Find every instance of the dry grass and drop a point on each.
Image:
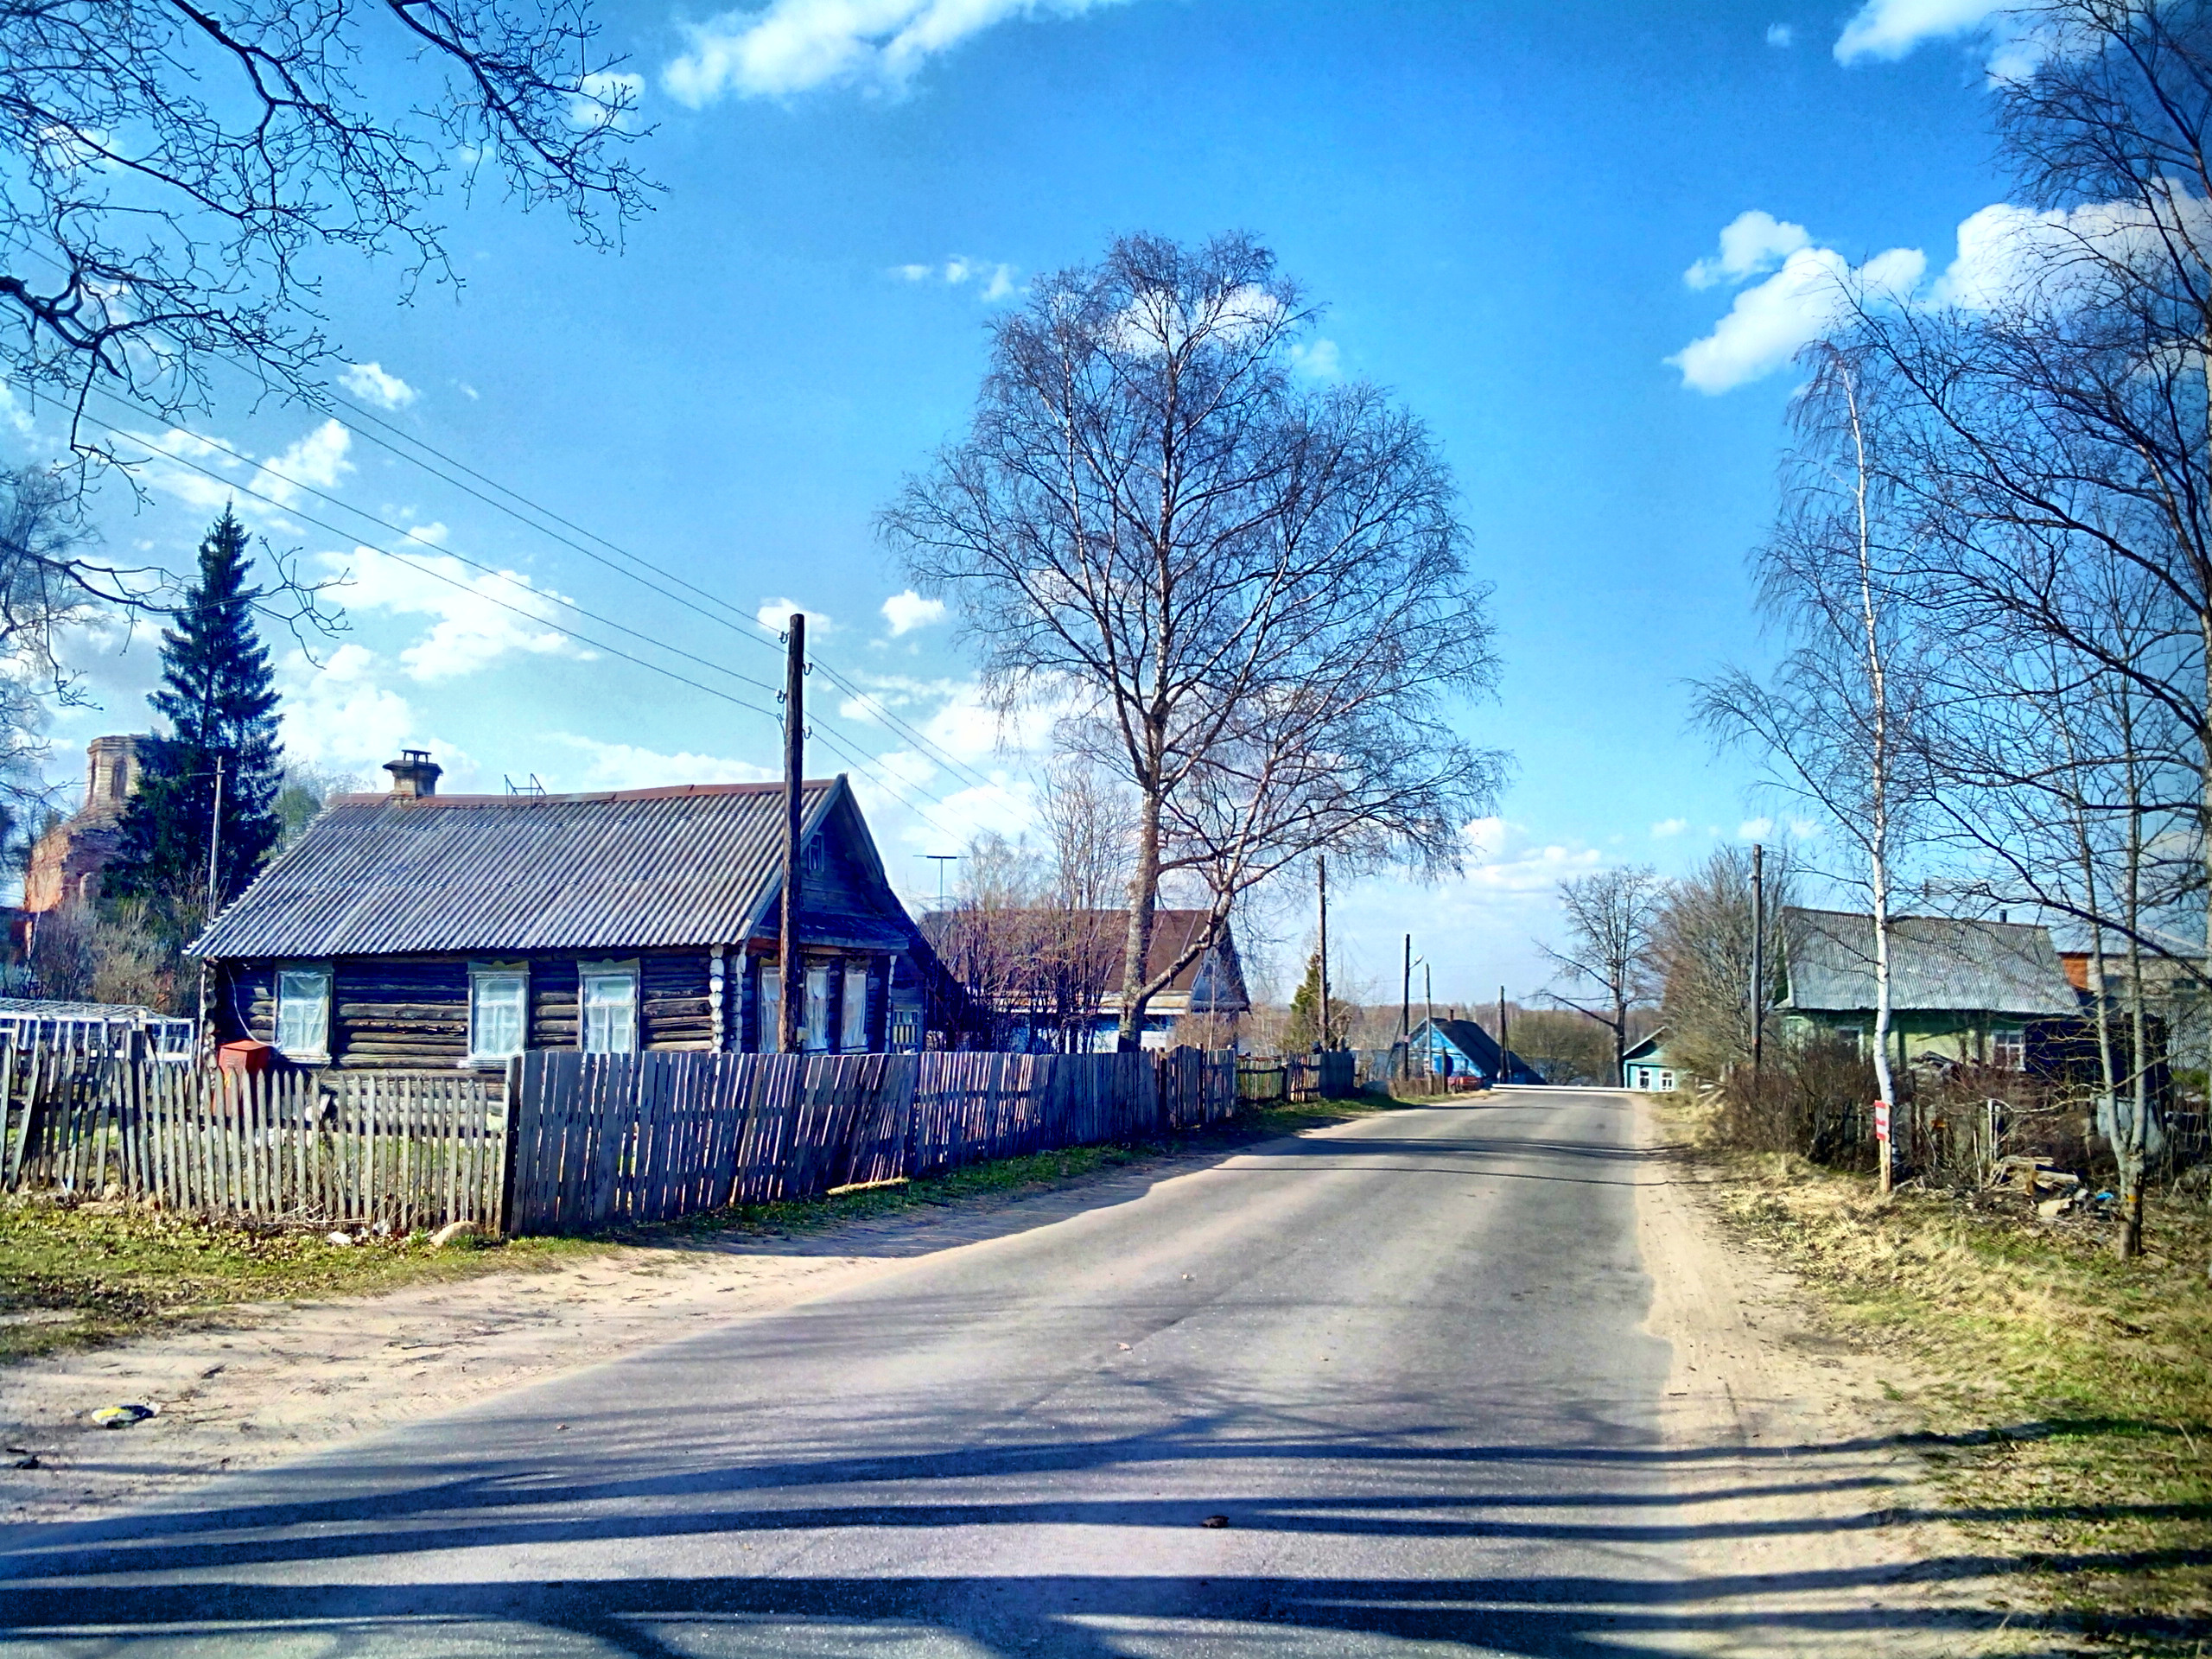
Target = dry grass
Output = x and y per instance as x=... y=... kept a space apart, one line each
x=72 y=1274
x=2069 y=1409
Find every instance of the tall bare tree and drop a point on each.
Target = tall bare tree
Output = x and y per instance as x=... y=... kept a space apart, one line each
x=1702 y=954
x=1248 y=598
x=1610 y=915
x=1835 y=723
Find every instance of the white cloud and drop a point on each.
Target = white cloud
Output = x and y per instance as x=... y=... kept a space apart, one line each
x=161 y=468
x=606 y=98
x=994 y=277
x=908 y=611
x=317 y=461
x=1780 y=35
x=777 y=614
x=369 y=382
x=1667 y=827
x=1751 y=243
x=342 y=717
x=625 y=765
x=1755 y=828
x=473 y=627
x=1500 y=860
x=1771 y=321
x=790 y=46
x=1888 y=28
x=1320 y=360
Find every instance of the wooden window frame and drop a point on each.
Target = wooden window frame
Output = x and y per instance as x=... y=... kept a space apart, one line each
x=483 y=970
x=318 y=971
x=634 y=972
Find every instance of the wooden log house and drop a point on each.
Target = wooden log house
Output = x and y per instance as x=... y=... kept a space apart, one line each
x=413 y=930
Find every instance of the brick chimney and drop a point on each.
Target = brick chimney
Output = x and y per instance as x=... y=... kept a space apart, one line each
x=413 y=774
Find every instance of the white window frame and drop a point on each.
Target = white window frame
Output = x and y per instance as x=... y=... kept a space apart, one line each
x=814 y=1027
x=590 y=973
x=768 y=1001
x=2008 y=1048
x=852 y=1034
x=319 y=1048
x=479 y=976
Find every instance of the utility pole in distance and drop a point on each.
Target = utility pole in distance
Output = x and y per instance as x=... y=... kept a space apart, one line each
x=1504 y=1053
x=1406 y=1014
x=214 y=867
x=789 y=1022
x=1321 y=874
x=1758 y=956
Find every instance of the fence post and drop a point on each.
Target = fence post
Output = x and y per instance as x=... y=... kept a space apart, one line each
x=509 y=1139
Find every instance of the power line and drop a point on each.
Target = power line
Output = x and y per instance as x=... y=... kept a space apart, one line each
x=404 y=534
x=745 y=626
x=439 y=576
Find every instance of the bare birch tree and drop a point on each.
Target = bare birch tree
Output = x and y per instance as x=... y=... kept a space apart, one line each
x=1248 y=599
x=1610 y=916
x=1834 y=724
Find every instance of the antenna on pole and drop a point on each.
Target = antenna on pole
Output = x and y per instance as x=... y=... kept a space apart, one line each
x=940 y=860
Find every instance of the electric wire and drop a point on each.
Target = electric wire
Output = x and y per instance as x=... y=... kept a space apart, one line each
x=439 y=576
x=902 y=790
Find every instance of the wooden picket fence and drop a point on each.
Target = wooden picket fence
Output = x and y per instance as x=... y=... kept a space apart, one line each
x=602 y=1139
x=568 y=1143
x=325 y=1147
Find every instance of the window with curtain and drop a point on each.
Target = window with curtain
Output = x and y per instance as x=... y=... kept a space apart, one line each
x=814 y=1028
x=609 y=1022
x=304 y=1013
x=771 y=980
x=853 y=1036
x=498 y=1013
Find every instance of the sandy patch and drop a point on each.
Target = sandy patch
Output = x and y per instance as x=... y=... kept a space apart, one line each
x=261 y=1383
x=1794 y=1458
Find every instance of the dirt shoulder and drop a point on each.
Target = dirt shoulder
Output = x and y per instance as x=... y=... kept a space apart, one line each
x=1976 y=1446
x=247 y=1383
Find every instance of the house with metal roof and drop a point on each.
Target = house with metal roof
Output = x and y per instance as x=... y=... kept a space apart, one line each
x=1961 y=991
x=1051 y=978
x=1461 y=1048
x=1648 y=1068
x=415 y=929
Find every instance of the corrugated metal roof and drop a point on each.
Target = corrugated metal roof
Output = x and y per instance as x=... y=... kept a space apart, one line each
x=1937 y=963
x=632 y=869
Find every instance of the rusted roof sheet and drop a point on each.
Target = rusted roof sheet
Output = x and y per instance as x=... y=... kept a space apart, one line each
x=376 y=874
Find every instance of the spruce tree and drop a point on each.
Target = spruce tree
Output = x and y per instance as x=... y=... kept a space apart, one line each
x=1301 y=1026
x=219 y=700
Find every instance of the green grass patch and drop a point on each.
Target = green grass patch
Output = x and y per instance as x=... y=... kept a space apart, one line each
x=74 y=1274
x=2071 y=1421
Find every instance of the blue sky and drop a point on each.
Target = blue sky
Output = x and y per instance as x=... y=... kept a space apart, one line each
x=1514 y=216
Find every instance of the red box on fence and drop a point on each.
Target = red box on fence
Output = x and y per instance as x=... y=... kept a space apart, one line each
x=249 y=1055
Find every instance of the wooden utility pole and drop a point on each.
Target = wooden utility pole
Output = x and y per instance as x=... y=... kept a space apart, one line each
x=1504 y=1053
x=1321 y=874
x=1406 y=1014
x=1758 y=958
x=214 y=867
x=790 y=1021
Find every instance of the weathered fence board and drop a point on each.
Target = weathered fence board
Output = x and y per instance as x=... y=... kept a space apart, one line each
x=409 y=1151
x=602 y=1139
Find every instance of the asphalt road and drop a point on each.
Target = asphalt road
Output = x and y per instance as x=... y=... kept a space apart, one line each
x=1403 y=1362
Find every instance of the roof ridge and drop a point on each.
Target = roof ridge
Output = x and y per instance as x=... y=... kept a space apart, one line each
x=658 y=792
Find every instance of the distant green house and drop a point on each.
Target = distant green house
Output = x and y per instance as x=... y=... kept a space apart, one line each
x=1648 y=1068
x=1960 y=991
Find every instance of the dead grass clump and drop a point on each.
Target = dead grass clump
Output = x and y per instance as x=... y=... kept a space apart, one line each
x=2072 y=1419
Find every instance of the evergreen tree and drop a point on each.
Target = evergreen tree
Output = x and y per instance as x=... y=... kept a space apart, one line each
x=1301 y=1025
x=219 y=700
